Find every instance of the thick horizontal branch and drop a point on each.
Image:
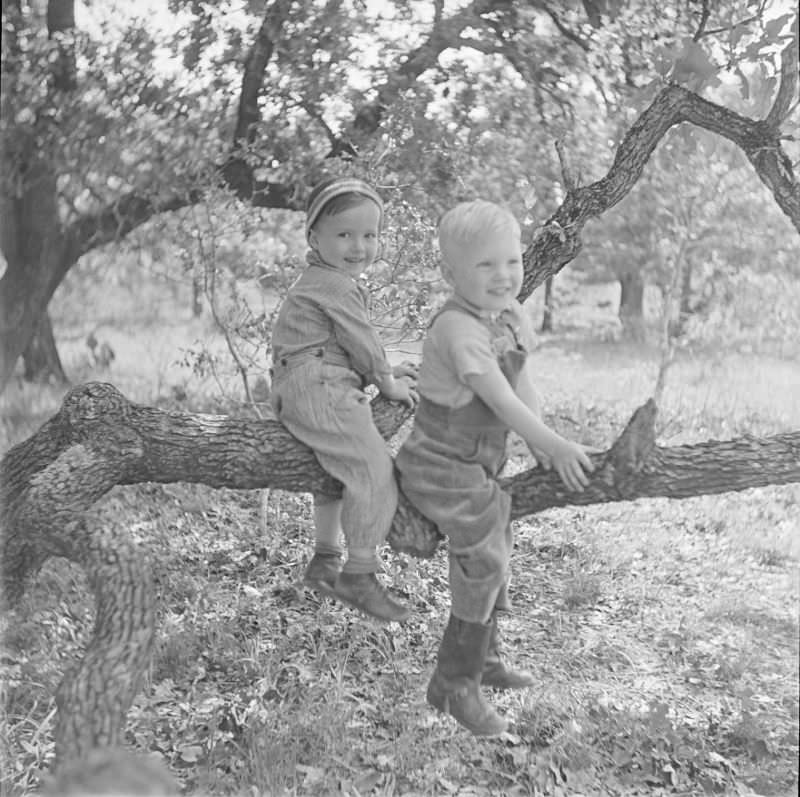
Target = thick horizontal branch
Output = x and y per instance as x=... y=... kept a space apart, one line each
x=708 y=468
x=99 y=439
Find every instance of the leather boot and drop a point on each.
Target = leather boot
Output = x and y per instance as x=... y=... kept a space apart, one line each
x=363 y=591
x=495 y=672
x=455 y=686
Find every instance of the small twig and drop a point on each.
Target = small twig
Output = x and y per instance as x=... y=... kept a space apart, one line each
x=241 y=366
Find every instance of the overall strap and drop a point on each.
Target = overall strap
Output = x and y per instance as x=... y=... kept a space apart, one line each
x=453 y=304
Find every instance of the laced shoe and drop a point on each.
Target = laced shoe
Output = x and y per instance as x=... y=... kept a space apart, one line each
x=363 y=591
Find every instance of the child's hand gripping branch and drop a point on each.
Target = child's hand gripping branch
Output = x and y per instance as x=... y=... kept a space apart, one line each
x=400 y=388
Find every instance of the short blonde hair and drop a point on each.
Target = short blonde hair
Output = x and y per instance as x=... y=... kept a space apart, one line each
x=469 y=222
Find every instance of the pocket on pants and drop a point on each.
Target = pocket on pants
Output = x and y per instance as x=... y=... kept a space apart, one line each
x=343 y=388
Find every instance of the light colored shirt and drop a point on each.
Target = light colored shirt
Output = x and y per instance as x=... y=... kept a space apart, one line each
x=459 y=345
x=326 y=308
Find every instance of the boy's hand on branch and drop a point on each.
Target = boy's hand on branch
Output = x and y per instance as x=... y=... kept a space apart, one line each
x=572 y=462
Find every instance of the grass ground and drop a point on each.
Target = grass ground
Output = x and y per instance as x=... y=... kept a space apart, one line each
x=663 y=635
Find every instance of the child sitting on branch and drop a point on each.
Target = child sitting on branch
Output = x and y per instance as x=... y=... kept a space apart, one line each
x=475 y=383
x=325 y=352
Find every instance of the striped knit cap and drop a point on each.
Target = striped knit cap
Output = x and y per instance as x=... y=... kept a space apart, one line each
x=327 y=190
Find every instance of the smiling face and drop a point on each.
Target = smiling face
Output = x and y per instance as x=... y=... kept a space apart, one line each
x=488 y=272
x=348 y=240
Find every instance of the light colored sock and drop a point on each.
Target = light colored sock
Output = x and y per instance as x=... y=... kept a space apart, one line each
x=361 y=560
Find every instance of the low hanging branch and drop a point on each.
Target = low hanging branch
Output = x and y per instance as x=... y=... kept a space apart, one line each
x=100 y=439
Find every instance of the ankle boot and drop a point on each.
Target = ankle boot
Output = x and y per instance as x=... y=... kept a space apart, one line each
x=363 y=591
x=455 y=686
x=495 y=672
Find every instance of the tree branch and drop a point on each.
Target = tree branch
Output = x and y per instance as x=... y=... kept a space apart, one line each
x=558 y=241
x=99 y=439
x=132 y=210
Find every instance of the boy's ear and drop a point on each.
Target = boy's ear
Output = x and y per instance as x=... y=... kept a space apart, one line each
x=312 y=239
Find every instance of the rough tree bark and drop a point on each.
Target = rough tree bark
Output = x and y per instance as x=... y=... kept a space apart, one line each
x=99 y=439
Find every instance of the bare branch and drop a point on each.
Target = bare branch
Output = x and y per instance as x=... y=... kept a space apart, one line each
x=558 y=240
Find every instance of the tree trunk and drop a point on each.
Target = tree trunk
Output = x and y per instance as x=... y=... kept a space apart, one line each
x=38 y=257
x=547 y=318
x=35 y=247
x=631 y=305
x=41 y=360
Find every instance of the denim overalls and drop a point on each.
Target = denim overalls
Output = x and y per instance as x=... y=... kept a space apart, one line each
x=448 y=469
x=318 y=395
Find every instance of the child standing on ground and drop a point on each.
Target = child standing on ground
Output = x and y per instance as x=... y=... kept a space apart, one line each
x=474 y=385
x=324 y=352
